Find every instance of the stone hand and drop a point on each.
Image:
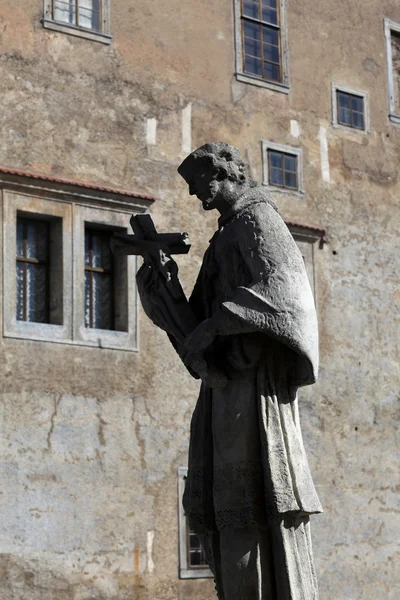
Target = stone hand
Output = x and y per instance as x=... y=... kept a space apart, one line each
x=197 y=341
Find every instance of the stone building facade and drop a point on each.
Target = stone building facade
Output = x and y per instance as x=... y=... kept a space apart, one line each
x=103 y=96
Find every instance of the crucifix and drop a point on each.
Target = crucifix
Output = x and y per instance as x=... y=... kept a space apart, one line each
x=165 y=302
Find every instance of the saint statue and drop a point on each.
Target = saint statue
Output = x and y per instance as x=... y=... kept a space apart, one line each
x=252 y=338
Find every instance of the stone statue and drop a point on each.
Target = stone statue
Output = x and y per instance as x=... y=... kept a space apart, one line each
x=251 y=336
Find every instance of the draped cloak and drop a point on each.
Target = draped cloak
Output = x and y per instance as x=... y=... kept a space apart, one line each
x=247 y=463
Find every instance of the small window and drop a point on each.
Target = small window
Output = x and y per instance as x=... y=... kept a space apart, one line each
x=308 y=239
x=350 y=108
x=32 y=270
x=193 y=563
x=392 y=35
x=99 y=280
x=282 y=167
x=83 y=18
x=261 y=42
x=39 y=274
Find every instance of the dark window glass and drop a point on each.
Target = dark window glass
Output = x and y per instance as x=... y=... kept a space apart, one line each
x=261 y=20
x=196 y=554
x=282 y=169
x=350 y=110
x=99 y=288
x=87 y=16
x=32 y=270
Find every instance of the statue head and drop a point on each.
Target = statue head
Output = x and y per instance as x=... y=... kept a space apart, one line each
x=216 y=174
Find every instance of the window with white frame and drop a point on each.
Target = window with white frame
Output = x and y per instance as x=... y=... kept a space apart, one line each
x=61 y=282
x=261 y=43
x=192 y=559
x=84 y=18
x=282 y=167
x=392 y=35
x=350 y=108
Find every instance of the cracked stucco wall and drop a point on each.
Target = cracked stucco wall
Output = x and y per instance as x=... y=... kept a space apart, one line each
x=91 y=439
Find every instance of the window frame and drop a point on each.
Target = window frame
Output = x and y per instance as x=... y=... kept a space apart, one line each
x=285 y=149
x=107 y=338
x=14 y=203
x=335 y=88
x=282 y=86
x=103 y=36
x=61 y=201
x=186 y=571
x=390 y=26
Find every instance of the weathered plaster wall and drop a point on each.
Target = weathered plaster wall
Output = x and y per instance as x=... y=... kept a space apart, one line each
x=92 y=438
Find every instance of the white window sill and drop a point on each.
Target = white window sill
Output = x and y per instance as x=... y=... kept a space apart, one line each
x=276 y=87
x=41 y=332
x=88 y=34
x=351 y=129
x=281 y=190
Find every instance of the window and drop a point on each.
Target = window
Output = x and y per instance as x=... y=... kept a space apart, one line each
x=392 y=35
x=282 y=167
x=61 y=282
x=82 y=13
x=32 y=270
x=350 y=108
x=193 y=563
x=83 y=18
x=306 y=238
x=261 y=44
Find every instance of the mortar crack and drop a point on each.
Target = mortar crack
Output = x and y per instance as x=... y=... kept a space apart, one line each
x=53 y=417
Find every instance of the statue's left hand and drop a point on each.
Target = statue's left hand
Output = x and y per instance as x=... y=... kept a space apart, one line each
x=197 y=341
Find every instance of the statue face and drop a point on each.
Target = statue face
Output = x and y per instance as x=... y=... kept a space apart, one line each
x=203 y=184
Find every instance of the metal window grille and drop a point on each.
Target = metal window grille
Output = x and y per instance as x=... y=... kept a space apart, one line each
x=350 y=110
x=261 y=39
x=81 y=13
x=196 y=558
x=99 y=280
x=283 y=169
x=32 y=270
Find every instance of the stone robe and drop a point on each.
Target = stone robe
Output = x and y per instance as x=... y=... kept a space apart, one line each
x=247 y=463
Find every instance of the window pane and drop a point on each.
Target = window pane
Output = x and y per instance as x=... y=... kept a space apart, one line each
x=271 y=72
x=195 y=559
x=271 y=53
x=96 y=250
x=20 y=291
x=270 y=3
x=275 y=159
x=270 y=36
x=357 y=103
x=36 y=293
x=291 y=180
x=102 y=301
x=276 y=176
x=270 y=15
x=251 y=30
x=343 y=100
x=194 y=542
x=252 y=47
x=344 y=116
x=20 y=238
x=290 y=163
x=253 y=65
x=64 y=10
x=251 y=9
x=358 y=120
x=89 y=14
